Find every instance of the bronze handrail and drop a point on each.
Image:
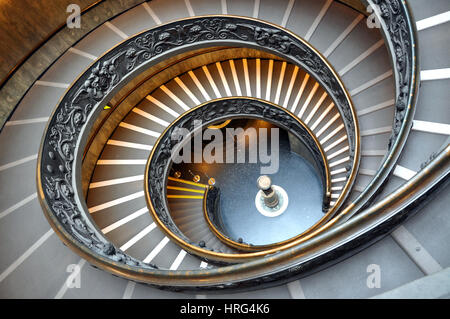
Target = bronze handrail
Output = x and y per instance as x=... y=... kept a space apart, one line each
x=329 y=244
x=301 y=259
x=223 y=109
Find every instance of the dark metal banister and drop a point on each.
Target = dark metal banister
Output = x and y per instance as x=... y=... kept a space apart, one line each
x=370 y=225
x=60 y=155
x=29 y=56
x=209 y=113
x=361 y=231
x=333 y=244
x=400 y=35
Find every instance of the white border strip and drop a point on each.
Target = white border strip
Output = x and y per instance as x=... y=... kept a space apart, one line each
x=25 y=255
x=295 y=290
x=189 y=8
x=138 y=237
x=130 y=145
x=156 y=250
x=343 y=35
x=18 y=205
x=431 y=127
x=318 y=19
x=177 y=262
x=129 y=290
x=82 y=53
x=151 y=13
x=122 y=162
x=27 y=121
x=436 y=74
x=116 y=30
x=53 y=84
x=115 y=202
x=404 y=173
x=18 y=162
x=287 y=13
x=116 y=181
x=125 y=220
x=433 y=21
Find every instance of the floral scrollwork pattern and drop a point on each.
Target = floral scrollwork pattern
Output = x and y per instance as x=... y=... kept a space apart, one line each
x=115 y=68
x=207 y=114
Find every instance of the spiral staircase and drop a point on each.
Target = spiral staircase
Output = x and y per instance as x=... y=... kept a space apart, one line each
x=81 y=151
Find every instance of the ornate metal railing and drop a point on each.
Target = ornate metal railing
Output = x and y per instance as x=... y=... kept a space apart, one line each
x=59 y=167
x=209 y=113
x=59 y=159
x=23 y=75
x=399 y=32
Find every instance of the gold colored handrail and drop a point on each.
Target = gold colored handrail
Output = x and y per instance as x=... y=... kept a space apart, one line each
x=251 y=251
x=437 y=170
x=288 y=261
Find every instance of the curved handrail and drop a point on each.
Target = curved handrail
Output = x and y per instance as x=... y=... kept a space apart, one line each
x=369 y=226
x=376 y=222
x=160 y=160
x=14 y=69
x=400 y=34
x=35 y=50
x=59 y=162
